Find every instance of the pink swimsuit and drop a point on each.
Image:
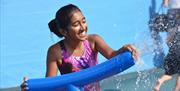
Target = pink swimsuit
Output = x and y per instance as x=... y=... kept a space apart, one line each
x=72 y=63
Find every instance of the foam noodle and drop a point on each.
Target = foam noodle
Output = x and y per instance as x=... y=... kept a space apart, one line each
x=78 y=79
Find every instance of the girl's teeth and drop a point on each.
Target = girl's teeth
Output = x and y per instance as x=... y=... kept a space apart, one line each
x=83 y=33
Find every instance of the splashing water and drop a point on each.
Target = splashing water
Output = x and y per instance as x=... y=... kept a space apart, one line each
x=144 y=43
x=146 y=47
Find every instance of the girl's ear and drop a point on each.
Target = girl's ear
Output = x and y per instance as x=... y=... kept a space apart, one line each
x=63 y=32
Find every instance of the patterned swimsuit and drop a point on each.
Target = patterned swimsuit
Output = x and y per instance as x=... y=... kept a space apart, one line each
x=172 y=60
x=72 y=63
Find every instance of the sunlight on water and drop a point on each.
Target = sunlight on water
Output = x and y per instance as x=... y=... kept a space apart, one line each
x=151 y=48
x=146 y=47
x=118 y=85
x=141 y=77
x=144 y=43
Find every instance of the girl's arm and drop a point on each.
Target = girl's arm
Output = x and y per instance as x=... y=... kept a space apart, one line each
x=53 y=56
x=108 y=52
x=51 y=70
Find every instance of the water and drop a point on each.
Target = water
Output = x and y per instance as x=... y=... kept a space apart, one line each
x=137 y=81
x=141 y=80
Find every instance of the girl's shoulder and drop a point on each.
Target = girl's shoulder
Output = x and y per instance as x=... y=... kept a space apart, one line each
x=93 y=37
x=55 y=50
x=54 y=47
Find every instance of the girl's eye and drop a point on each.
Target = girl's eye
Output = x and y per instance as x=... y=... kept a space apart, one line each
x=75 y=24
x=84 y=20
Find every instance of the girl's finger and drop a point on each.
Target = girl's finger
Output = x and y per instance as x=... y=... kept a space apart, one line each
x=24 y=85
x=25 y=79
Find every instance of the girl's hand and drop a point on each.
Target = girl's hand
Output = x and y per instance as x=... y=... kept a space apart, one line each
x=133 y=50
x=24 y=84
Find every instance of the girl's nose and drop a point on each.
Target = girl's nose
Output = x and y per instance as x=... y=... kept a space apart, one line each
x=82 y=26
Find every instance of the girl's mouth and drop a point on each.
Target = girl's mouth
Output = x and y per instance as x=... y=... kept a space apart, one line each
x=83 y=33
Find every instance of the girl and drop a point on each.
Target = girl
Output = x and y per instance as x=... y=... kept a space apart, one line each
x=77 y=50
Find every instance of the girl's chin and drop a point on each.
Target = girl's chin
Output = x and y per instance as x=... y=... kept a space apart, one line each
x=83 y=37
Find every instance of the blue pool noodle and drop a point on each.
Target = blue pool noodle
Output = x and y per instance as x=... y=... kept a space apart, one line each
x=75 y=81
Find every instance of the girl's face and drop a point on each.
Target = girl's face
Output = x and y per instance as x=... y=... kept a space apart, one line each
x=77 y=29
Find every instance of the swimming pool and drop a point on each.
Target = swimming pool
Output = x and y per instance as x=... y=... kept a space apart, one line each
x=25 y=36
x=135 y=81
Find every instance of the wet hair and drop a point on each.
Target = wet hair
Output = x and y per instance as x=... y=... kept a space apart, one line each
x=62 y=19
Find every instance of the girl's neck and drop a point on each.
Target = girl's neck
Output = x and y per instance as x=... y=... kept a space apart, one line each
x=73 y=44
x=75 y=48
